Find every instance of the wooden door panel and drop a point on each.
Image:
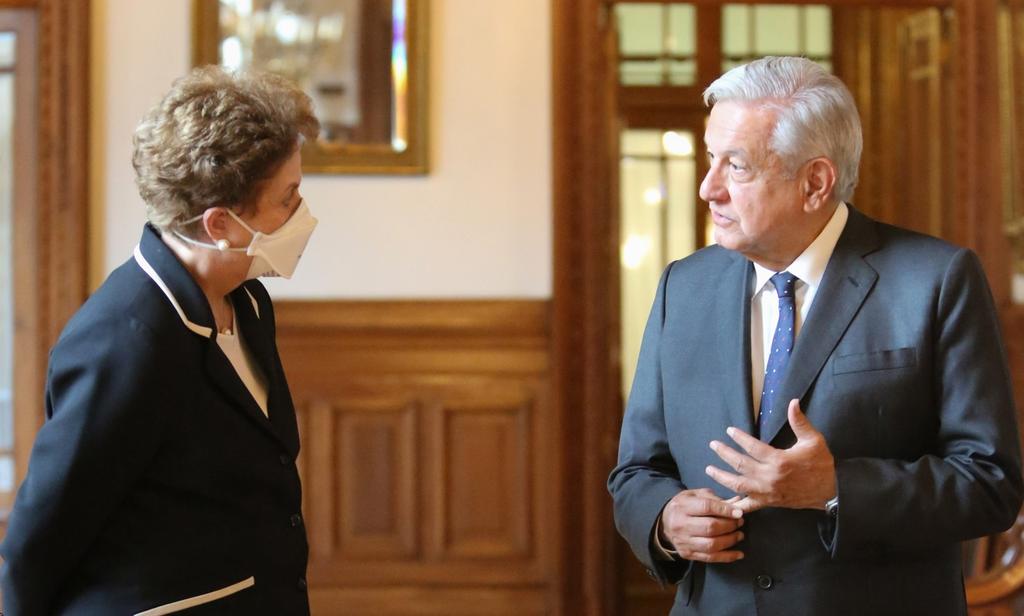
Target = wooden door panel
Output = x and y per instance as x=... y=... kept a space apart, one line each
x=483 y=481
x=428 y=448
x=360 y=501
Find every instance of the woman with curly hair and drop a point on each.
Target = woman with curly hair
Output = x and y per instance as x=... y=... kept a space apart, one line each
x=164 y=478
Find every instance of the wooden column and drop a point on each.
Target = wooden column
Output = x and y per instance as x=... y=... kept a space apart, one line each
x=585 y=296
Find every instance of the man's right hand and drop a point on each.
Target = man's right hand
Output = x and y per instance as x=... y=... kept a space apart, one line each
x=701 y=526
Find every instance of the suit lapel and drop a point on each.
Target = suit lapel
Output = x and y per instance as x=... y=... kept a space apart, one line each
x=191 y=304
x=226 y=379
x=258 y=340
x=251 y=330
x=733 y=335
x=847 y=281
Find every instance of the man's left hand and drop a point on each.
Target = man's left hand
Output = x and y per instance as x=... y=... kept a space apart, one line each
x=801 y=477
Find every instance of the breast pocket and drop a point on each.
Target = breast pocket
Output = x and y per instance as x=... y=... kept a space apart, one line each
x=198 y=600
x=889 y=359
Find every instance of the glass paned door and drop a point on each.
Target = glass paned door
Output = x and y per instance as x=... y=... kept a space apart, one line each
x=658 y=187
x=8 y=58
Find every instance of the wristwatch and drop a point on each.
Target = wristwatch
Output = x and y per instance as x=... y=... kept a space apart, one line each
x=832 y=507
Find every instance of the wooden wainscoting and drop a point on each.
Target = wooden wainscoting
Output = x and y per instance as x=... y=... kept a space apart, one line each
x=428 y=455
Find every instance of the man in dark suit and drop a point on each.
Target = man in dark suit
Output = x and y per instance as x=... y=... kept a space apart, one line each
x=822 y=410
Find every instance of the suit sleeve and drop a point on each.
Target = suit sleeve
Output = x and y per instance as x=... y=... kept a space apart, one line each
x=106 y=394
x=646 y=476
x=970 y=486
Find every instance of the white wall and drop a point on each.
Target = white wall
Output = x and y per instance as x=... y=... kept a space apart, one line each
x=479 y=225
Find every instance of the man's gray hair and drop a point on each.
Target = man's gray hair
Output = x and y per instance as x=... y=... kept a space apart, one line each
x=816 y=114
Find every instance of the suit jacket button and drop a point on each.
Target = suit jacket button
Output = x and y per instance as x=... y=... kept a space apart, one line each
x=296 y=519
x=651 y=574
x=764 y=582
x=302 y=583
x=284 y=459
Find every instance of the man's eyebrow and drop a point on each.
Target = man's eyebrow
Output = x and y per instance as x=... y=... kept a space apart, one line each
x=731 y=152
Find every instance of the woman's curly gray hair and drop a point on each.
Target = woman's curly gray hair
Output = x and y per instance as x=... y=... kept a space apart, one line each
x=213 y=138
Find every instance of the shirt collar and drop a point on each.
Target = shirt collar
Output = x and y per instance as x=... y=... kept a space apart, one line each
x=809 y=267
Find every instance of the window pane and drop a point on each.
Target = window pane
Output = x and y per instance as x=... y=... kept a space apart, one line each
x=640 y=29
x=736 y=30
x=819 y=31
x=681 y=219
x=6 y=282
x=7 y=49
x=657 y=223
x=682 y=73
x=640 y=253
x=682 y=29
x=753 y=31
x=777 y=30
x=641 y=73
x=728 y=65
x=641 y=143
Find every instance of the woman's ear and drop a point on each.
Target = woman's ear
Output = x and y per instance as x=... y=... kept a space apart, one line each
x=215 y=225
x=819 y=181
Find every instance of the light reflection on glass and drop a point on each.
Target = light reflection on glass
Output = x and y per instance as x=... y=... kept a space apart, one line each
x=653 y=196
x=7 y=92
x=677 y=144
x=7 y=49
x=231 y=53
x=399 y=77
x=634 y=250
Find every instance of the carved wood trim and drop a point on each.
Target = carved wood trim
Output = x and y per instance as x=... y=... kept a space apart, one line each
x=472 y=318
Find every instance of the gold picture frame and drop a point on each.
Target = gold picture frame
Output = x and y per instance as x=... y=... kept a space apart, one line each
x=364 y=63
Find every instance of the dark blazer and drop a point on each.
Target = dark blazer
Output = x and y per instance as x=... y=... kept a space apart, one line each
x=156 y=477
x=899 y=365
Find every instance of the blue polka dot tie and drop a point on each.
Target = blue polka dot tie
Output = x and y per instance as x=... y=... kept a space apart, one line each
x=782 y=344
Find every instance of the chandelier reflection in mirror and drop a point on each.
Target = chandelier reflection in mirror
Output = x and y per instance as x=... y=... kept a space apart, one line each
x=361 y=61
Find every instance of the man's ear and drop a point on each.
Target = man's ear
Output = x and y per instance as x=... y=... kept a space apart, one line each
x=819 y=181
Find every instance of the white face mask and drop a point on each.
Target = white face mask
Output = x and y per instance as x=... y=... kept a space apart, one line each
x=273 y=254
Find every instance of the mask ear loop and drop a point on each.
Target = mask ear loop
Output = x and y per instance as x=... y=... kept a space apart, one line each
x=223 y=245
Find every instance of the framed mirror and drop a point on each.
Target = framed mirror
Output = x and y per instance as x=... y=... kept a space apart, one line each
x=363 y=62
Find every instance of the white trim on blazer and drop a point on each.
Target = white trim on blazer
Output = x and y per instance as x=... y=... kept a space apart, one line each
x=202 y=330
x=184 y=604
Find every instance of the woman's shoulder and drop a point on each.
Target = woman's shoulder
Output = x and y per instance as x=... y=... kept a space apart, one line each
x=129 y=308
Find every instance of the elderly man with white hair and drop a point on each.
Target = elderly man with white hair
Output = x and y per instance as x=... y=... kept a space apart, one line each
x=822 y=409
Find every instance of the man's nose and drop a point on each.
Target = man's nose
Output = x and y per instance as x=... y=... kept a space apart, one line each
x=712 y=188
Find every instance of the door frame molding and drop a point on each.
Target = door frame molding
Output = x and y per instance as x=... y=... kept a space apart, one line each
x=51 y=265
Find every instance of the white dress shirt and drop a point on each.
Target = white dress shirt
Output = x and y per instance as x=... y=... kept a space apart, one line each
x=237 y=352
x=809 y=268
